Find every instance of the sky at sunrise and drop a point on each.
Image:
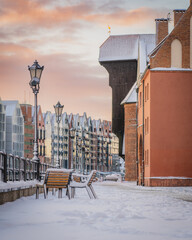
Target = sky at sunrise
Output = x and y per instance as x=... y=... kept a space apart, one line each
x=65 y=36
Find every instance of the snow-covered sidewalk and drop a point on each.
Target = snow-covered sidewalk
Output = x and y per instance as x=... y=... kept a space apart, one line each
x=122 y=211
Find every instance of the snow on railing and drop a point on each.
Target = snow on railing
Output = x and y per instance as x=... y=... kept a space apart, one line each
x=15 y=168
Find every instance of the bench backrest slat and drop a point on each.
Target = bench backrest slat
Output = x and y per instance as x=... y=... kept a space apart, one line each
x=93 y=175
x=57 y=179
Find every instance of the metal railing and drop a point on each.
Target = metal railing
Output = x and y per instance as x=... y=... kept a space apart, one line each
x=14 y=168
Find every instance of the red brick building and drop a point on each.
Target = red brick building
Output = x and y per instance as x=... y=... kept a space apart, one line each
x=164 y=107
x=130 y=134
x=41 y=134
x=28 y=130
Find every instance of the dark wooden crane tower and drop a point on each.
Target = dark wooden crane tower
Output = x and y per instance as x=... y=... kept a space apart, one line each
x=119 y=55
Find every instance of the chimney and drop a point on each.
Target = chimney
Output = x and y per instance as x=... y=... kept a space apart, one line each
x=161 y=29
x=178 y=13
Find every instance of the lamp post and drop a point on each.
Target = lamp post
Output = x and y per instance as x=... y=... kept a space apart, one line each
x=79 y=144
x=35 y=73
x=72 y=136
x=58 y=111
x=83 y=155
x=108 y=154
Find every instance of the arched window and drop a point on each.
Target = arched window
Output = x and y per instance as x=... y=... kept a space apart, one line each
x=176 y=54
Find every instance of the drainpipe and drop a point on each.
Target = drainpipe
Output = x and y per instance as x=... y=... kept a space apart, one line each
x=137 y=160
x=143 y=172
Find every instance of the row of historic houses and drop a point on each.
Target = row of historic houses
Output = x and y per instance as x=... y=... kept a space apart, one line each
x=92 y=145
x=151 y=80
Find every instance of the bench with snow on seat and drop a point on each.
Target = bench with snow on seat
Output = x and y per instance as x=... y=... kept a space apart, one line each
x=55 y=179
x=112 y=177
x=84 y=181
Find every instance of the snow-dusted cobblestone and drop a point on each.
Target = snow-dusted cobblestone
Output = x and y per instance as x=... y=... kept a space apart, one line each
x=122 y=211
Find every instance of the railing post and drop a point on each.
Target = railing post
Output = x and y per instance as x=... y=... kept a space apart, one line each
x=13 y=161
x=25 y=172
x=5 y=168
x=19 y=169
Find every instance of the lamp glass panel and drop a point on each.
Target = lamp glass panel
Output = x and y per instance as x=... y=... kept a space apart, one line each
x=60 y=110
x=57 y=111
x=32 y=71
x=38 y=73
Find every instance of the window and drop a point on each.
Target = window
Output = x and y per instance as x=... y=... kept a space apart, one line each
x=176 y=54
x=140 y=99
x=146 y=125
x=146 y=157
x=40 y=151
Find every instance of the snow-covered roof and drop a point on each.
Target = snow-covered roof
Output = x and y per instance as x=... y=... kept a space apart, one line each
x=125 y=47
x=172 y=69
x=131 y=96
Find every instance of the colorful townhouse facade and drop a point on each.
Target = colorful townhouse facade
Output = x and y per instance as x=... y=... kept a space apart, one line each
x=41 y=134
x=14 y=128
x=2 y=126
x=48 y=136
x=90 y=148
x=28 y=130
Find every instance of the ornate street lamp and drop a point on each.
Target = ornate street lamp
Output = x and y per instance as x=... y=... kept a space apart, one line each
x=58 y=112
x=35 y=72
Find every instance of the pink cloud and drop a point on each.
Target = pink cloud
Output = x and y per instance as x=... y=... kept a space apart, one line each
x=78 y=86
x=26 y=11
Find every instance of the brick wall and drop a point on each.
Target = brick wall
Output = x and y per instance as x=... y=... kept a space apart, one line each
x=161 y=29
x=130 y=141
x=181 y=32
x=28 y=130
x=177 y=15
x=168 y=182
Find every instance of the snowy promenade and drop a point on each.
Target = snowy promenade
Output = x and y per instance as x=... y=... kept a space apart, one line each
x=123 y=211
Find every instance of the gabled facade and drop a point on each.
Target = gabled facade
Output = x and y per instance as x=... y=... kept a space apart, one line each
x=48 y=137
x=28 y=130
x=2 y=127
x=14 y=129
x=65 y=138
x=41 y=133
x=164 y=109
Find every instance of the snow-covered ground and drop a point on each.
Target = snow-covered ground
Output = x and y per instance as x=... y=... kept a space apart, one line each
x=122 y=211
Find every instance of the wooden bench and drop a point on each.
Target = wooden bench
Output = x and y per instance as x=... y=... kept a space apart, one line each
x=55 y=179
x=87 y=183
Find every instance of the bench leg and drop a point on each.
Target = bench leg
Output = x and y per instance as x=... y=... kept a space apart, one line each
x=53 y=191
x=87 y=188
x=37 y=192
x=60 y=193
x=93 y=192
x=68 y=193
x=45 y=191
x=72 y=192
